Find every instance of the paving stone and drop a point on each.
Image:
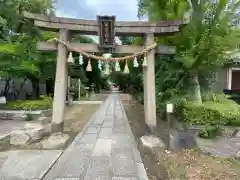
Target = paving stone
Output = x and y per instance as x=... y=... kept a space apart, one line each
x=66 y=179
x=142 y=175
x=119 y=116
x=3 y=157
x=72 y=164
x=124 y=167
x=55 y=141
x=98 y=121
x=109 y=117
x=121 y=129
x=122 y=153
x=124 y=178
x=108 y=123
x=88 y=139
x=118 y=113
x=105 y=133
x=99 y=168
x=122 y=141
x=21 y=165
x=119 y=121
x=93 y=130
x=103 y=147
x=137 y=155
x=106 y=151
x=97 y=178
x=78 y=145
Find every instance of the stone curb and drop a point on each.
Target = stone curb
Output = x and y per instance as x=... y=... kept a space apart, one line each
x=35 y=112
x=81 y=134
x=136 y=154
x=78 y=136
x=88 y=102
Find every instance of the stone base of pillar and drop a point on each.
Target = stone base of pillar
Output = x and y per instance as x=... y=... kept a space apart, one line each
x=56 y=127
x=55 y=141
x=151 y=130
x=152 y=142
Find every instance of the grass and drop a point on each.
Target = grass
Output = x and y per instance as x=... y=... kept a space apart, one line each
x=84 y=98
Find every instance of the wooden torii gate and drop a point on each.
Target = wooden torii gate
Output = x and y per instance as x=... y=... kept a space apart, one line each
x=98 y=27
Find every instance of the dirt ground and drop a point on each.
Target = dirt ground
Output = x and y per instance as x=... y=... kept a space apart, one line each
x=185 y=165
x=76 y=116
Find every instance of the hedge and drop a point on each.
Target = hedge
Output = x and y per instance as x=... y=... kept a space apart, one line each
x=212 y=113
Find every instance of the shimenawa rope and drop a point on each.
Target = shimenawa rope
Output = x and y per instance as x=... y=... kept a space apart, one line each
x=69 y=46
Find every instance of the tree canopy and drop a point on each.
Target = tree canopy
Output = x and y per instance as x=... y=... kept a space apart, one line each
x=18 y=37
x=202 y=45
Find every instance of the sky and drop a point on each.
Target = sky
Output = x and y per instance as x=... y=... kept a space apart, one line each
x=89 y=9
x=124 y=10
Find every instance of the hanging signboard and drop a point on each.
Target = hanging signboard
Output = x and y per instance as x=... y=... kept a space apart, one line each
x=106 y=32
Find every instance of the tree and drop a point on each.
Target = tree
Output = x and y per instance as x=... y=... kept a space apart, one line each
x=203 y=42
x=18 y=38
x=19 y=56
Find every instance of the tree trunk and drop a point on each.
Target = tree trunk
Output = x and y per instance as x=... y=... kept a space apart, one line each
x=20 y=88
x=195 y=90
x=35 y=89
x=50 y=87
x=208 y=81
x=7 y=87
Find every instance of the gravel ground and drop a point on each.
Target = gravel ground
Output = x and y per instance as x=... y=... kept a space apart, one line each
x=184 y=165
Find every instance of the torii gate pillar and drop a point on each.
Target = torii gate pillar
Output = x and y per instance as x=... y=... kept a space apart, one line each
x=60 y=88
x=149 y=85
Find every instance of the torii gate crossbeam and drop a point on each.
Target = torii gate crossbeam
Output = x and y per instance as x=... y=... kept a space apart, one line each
x=65 y=26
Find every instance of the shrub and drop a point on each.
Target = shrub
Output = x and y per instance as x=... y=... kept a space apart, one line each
x=216 y=97
x=43 y=103
x=209 y=131
x=212 y=113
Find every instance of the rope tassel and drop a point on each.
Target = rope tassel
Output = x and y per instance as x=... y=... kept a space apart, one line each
x=99 y=65
x=126 y=69
x=89 y=66
x=70 y=58
x=80 y=59
x=117 y=66
x=107 y=71
x=144 y=64
x=135 y=62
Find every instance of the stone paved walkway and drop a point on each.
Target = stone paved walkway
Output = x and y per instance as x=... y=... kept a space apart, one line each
x=222 y=147
x=104 y=150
